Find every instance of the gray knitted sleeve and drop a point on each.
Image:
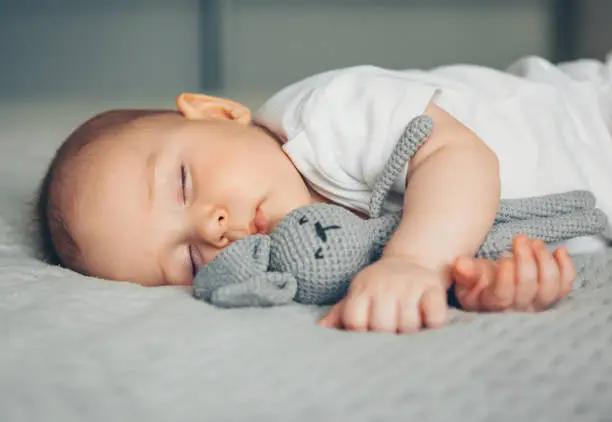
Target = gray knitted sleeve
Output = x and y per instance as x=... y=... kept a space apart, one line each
x=315 y=251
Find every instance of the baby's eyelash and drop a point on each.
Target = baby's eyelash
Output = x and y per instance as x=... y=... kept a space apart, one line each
x=183 y=181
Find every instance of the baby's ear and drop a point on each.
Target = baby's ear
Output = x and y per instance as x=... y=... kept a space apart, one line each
x=206 y=107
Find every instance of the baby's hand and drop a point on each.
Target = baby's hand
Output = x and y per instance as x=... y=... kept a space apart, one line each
x=391 y=295
x=531 y=279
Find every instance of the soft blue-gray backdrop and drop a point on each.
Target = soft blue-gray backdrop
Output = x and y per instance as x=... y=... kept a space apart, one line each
x=146 y=51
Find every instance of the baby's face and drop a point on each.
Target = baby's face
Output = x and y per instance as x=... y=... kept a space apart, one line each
x=162 y=198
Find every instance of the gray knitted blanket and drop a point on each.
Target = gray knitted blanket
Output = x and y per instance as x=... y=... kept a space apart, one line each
x=315 y=251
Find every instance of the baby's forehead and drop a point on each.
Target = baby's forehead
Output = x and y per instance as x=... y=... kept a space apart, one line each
x=124 y=149
x=98 y=173
x=134 y=139
x=108 y=201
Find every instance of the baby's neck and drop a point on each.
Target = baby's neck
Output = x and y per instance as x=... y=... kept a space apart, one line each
x=317 y=198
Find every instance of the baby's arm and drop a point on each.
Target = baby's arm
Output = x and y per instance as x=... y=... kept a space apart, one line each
x=451 y=200
x=530 y=279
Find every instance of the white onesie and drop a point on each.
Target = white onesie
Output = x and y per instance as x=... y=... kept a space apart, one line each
x=550 y=126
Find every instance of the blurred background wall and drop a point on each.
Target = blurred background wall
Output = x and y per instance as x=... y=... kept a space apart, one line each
x=146 y=51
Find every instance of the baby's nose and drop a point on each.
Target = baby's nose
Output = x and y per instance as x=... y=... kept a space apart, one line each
x=212 y=227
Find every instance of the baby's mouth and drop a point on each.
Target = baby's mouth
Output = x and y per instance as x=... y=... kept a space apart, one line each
x=259 y=225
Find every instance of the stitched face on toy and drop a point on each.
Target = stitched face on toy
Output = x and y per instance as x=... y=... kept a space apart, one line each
x=310 y=257
x=323 y=243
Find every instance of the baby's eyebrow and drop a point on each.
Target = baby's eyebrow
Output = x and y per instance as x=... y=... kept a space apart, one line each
x=150 y=177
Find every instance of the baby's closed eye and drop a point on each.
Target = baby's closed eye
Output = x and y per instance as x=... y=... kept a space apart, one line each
x=193 y=256
x=185 y=183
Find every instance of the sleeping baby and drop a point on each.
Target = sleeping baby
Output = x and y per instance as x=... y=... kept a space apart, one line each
x=153 y=196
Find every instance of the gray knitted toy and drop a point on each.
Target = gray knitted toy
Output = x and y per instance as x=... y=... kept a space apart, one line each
x=315 y=251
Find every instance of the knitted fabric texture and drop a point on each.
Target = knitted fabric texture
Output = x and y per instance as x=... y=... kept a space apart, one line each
x=316 y=250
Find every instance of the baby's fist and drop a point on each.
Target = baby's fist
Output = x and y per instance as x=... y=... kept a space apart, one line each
x=531 y=279
x=392 y=295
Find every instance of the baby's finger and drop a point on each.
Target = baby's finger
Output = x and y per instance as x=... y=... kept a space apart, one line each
x=356 y=313
x=549 y=277
x=471 y=277
x=433 y=308
x=333 y=318
x=383 y=313
x=499 y=295
x=567 y=270
x=409 y=313
x=465 y=277
x=526 y=273
x=465 y=272
x=473 y=272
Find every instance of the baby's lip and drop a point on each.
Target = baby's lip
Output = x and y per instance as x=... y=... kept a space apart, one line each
x=259 y=225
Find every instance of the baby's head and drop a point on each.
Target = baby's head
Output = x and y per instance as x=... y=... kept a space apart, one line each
x=149 y=196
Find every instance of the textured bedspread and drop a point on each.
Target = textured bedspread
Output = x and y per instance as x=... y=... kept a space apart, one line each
x=78 y=349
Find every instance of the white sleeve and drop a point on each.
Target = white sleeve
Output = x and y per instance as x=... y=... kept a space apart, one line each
x=349 y=125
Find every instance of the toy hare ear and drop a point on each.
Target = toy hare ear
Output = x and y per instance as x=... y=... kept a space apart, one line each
x=266 y=289
x=550 y=229
x=551 y=205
